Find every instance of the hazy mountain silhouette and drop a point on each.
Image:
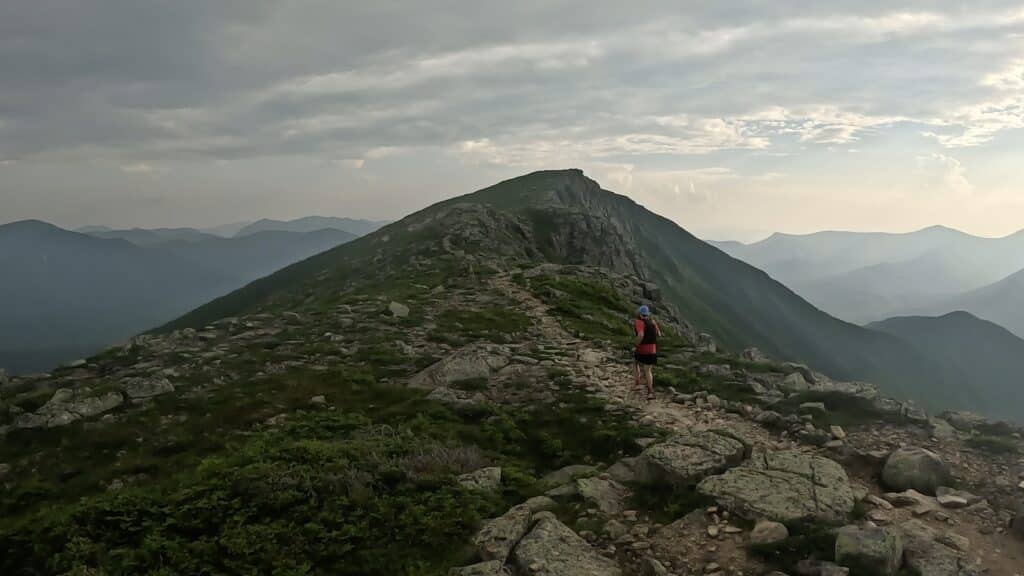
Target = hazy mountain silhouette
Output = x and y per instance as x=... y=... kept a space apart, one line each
x=67 y=294
x=311 y=223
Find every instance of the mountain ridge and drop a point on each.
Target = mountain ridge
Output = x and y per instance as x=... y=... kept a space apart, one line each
x=558 y=215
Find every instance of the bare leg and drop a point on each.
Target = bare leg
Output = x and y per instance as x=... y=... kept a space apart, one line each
x=649 y=373
x=636 y=370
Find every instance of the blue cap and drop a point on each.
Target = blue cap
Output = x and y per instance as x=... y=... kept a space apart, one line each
x=645 y=311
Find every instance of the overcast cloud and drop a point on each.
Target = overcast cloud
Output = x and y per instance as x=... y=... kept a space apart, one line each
x=733 y=118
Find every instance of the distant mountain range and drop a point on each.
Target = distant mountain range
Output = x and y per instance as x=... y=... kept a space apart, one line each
x=566 y=218
x=311 y=223
x=69 y=294
x=864 y=277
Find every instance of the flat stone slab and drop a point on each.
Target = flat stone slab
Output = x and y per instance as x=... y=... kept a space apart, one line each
x=787 y=486
x=687 y=458
x=553 y=548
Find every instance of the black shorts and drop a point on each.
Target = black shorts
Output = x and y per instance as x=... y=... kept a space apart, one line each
x=649 y=359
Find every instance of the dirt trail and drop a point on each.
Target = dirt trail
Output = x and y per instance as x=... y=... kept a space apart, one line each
x=608 y=374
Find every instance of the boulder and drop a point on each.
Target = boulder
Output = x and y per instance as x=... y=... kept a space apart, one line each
x=147 y=387
x=497 y=538
x=485 y=479
x=568 y=474
x=608 y=496
x=689 y=457
x=552 y=547
x=398 y=310
x=806 y=373
x=470 y=362
x=786 y=486
x=915 y=468
x=490 y=568
x=768 y=532
x=795 y=382
x=962 y=420
x=925 y=554
x=877 y=551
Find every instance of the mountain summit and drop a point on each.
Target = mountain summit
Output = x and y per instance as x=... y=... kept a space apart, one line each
x=564 y=217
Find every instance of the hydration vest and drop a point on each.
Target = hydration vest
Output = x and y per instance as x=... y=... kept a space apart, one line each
x=650 y=332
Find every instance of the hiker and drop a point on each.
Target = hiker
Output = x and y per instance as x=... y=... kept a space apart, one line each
x=646 y=353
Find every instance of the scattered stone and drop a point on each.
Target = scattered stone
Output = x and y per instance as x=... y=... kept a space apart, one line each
x=318 y=400
x=485 y=479
x=398 y=310
x=137 y=388
x=877 y=551
x=837 y=432
x=615 y=529
x=768 y=532
x=915 y=468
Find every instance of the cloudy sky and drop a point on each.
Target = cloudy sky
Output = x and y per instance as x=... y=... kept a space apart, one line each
x=733 y=118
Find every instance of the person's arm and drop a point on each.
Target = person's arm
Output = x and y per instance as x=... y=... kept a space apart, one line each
x=656 y=327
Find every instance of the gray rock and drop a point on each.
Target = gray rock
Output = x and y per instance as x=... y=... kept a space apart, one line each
x=814 y=407
x=473 y=361
x=786 y=486
x=615 y=529
x=555 y=547
x=497 y=538
x=915 y=468
x=768 y=532
x=95 y=405
x=653 y=567
x=869 y=550
x=925 y=554
x=485 y=479
x=806 y=373
x=970 y=499
x=540 y=504
x=607 y=495
x=490 y=568
x=962 y=420
x=942 y=429
x=625 y=470
x=568 y=474
x=398 y=310
x=754 y=355
x=795 y=382
x=147 y=387
x=460 y=400
x=689 y=457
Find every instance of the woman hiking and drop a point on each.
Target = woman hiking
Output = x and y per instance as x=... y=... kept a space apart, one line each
x=645 y=355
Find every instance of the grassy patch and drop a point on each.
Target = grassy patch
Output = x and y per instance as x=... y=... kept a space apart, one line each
x=494 y=324
x=668 y=503
x=843 y=410
x=587 y=307
x=994 y=444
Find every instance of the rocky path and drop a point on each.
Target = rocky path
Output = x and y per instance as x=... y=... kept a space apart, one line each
x=939 y=540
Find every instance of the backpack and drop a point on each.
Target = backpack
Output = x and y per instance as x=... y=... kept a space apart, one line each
x=650 y=332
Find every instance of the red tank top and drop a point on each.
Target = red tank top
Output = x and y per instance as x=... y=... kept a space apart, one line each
x=649 y=345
